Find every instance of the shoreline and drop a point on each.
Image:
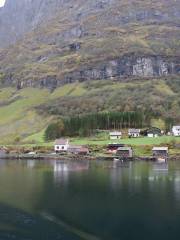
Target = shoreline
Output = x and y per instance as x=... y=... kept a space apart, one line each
x=79 y=157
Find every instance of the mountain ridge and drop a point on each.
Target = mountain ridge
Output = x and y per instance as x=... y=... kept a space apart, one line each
x=83 y=56
x=65 y=41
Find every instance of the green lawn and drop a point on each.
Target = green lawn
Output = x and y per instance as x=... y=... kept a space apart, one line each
x=20 y=119
x=38 y=139
x=130 y=141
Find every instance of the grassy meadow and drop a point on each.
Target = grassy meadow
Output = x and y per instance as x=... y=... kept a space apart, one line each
x=25 y=113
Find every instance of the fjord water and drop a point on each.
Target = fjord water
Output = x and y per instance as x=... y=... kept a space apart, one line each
x=89 y=200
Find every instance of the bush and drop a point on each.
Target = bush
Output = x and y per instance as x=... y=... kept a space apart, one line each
x=54 y=130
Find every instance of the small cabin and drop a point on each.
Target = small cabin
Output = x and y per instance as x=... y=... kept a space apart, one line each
x=113 y=147
x=115 y=135
x=78 y=150
x=61 y=145
x=153 y=132
x=134 y=133
x=160 y=152
x=176 y=131
x=124 y=152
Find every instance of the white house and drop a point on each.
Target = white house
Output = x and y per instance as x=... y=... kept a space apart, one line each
x=151 y=135
x=153 y=132
x=176 y=131
x=134 y=133
x=61 y=145
x=115 y=135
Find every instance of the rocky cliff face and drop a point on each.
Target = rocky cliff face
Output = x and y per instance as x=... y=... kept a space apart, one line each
x=19 y=17
x=116 y=69
x=64 y=41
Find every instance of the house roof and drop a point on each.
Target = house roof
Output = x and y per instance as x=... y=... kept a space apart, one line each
x=176 y=127
x=133 y=130
x=115 y=145
x=124 y=149
x=115 y=133
x=61 y=141
x=75 y=146
x=79 y=149
x=160 y=149
x=153 y=130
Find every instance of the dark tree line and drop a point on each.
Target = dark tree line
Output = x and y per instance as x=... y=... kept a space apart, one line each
x=86 y=125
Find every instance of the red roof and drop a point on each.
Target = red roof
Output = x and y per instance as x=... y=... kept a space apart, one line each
x=78 y=149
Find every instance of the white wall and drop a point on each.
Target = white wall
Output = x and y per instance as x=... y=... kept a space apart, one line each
x=176 y=133
x=115 y=137
x=61 y=147
x=135 y=135
x=152 y=135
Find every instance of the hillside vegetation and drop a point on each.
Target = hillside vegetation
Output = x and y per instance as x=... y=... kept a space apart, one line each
x=28 y=111
x=64 y=58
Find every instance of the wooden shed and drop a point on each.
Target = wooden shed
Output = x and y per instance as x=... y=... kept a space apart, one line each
x=113 y=147
x=124 y=153
x=160 y=153
x=78 y=150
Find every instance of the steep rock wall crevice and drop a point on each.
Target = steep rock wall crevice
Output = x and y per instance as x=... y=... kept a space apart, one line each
x=118 y=69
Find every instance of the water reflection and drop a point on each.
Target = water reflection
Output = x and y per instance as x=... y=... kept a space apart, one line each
x=110 y=200
x=16 y=224
x=31 y=163
x=63 y=168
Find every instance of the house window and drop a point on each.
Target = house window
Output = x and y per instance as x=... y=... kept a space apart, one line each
x=57 y=147
x=62 y=147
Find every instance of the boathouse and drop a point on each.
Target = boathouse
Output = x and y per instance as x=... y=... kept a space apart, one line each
x=61 y=145
x=160 y=152
x=124 y=152
x=113 y=147
x=176 y=131
x=78 y=150
x=115 y=135
x=134 y=133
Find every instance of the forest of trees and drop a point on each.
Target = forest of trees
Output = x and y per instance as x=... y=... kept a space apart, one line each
x=86 y=125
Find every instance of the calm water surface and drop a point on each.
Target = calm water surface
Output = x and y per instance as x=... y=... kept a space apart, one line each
x=81 y=200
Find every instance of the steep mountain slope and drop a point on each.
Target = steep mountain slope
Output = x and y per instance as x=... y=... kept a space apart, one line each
x=20 y=17
x=131 y=48
x=87 y=40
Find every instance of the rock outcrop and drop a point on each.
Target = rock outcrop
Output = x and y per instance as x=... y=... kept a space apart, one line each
x=49 y=43
x=117 y=69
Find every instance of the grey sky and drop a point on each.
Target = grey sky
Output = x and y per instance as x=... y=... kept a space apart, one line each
x=2 y=3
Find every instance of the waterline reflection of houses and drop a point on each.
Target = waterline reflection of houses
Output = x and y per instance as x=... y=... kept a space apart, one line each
x=31 y=163
x=60 y=166
x=63 y=168
x=121 y=172
x=61 y=173
x=160 y=167
x=176 y=182
x=159 y=172
x=121 y=164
